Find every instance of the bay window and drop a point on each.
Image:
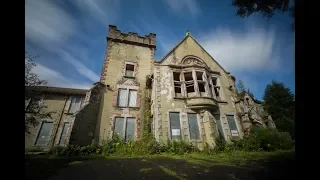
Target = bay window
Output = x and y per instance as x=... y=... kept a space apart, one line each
x=192 y=83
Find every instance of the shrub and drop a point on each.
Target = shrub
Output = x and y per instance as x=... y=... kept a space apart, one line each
x=74 y=150
x=264 y=139
x=154 y=147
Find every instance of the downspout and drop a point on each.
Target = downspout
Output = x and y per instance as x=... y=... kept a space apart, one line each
x=56 y=131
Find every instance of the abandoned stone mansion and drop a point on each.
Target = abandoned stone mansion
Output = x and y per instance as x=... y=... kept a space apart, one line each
x=192 y=98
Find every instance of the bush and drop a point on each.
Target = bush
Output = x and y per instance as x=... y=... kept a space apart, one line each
x=265 y=139
x=74 y=150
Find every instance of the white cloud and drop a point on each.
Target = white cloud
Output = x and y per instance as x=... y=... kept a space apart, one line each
x=56 y=79
x=184 y=6
x=253 y=50
x=47 y=24
x=100 y=10
x=80 y=67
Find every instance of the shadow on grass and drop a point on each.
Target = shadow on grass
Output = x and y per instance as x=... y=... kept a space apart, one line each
x=159 y=168
x=38 y=167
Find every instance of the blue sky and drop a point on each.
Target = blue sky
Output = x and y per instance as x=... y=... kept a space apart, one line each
x=70 y=37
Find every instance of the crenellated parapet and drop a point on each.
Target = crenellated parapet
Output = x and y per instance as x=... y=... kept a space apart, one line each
x=131 y=38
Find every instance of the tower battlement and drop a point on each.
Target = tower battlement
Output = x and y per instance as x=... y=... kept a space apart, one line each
x=131 y=38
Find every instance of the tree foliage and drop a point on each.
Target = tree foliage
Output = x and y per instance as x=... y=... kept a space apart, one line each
x=242 y=90
x=279 y=101
x=267 y=8
x=34 y=108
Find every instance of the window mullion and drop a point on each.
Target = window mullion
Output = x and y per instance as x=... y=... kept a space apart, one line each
x=195 y=85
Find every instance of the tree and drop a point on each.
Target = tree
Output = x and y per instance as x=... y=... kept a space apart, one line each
x=279 y=101
x=34 y=109
x=267 y=8
x=241 y=89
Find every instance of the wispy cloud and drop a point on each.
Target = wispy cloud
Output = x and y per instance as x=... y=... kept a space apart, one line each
x=60 y=33
x=47 y=23
x=80 y=67
x=184 y=6
x=56 y=79
x=253 y=50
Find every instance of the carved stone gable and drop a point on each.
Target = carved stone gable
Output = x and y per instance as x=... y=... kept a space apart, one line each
x=193 y=61
x=128 y=82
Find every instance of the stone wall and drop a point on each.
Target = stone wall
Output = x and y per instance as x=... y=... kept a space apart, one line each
x=86 y=119
x=123 y=48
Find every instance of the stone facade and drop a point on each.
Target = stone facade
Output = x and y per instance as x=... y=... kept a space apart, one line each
x=129 y=60
x=192 y=97
x=49 y=131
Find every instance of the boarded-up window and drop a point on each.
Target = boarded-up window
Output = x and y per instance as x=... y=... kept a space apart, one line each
x=75 y=104
x=132 y=98
x=130 y=129
x=129 y=70
x=124 y=128
x=193 y=126
x=64 y=133
x=219 y=124
x=44 y=133
x=122 y=97
x=175 y=125
x=232 y=125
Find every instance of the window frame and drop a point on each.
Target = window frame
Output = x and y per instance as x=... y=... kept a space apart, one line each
x=133 y=72
x=170 y=129
x=124 y=128
x=70 y=106
x=39 y=130
x=63 y=127
x=236 y=124
x=127 y=98
x=199 y=125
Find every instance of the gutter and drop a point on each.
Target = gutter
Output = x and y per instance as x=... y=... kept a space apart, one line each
x=56 y=131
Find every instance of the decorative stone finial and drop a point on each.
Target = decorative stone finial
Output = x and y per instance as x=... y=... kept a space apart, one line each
x=187 y=33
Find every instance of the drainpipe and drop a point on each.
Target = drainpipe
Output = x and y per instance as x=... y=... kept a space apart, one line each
x=56 y=131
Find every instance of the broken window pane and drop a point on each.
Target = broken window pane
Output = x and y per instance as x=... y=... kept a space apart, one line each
x=44 y=133
x=118 y=126
x=214 y=81
x=129 y=70
x=193 y=126
x=176 y=76
x=130 y=129
x=177 y=84
x=188 y=76
x=175 y=125
x=199 y=75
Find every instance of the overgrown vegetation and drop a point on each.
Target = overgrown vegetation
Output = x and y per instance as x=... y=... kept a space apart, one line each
x=261 y=139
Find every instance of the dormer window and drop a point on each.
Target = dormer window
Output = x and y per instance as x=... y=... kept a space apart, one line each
x=129 y=72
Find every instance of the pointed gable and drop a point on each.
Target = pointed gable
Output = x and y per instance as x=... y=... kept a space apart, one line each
x=187 y=47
